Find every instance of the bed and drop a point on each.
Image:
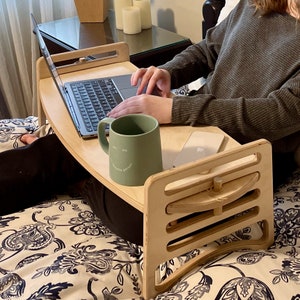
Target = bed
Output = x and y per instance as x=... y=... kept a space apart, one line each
x=61 y=250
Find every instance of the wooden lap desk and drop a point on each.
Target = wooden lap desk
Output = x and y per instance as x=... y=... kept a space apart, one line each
x=89 y=152
x=229 y=190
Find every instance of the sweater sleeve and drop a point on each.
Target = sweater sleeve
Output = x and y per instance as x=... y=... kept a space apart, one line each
x=197 y=60
x=273 y=117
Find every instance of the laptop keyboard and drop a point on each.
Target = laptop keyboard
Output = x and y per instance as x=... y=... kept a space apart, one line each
x=95 y=99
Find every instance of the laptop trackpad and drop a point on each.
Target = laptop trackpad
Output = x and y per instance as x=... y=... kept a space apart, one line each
x=127 y=93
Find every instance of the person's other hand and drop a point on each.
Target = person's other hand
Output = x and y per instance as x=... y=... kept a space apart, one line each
x=155 y=106
x=152 y=80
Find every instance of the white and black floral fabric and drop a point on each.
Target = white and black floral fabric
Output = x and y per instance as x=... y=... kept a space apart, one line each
x=12 y=129
x=61 y=250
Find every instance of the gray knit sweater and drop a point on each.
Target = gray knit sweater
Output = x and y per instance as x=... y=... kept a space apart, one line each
x=252 y=67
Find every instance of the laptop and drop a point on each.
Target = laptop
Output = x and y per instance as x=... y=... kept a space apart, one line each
x=87 y=101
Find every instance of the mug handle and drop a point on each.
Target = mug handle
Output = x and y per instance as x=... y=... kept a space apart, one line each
x=102 y=133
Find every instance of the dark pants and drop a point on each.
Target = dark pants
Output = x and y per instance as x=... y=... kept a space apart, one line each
x=120 y=217
x=35 y=173
x=283 y=166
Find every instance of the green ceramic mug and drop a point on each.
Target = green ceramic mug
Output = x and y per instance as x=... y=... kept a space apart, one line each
x=133 y=146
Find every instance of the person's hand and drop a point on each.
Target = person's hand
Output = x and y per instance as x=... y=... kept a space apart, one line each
x=152 y=81
x=155 y=106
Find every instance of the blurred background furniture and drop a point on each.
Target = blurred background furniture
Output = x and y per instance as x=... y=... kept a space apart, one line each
x=211 y=10
x=152 y=46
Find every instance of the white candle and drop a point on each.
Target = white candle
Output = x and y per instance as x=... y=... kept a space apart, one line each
x=145 y=8
x=131 y=20
x=118 y=6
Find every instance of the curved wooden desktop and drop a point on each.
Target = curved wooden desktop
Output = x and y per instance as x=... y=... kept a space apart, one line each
x=184 y=207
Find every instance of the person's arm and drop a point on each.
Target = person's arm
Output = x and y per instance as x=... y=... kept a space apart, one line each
x=197 y=60
x=273 y=117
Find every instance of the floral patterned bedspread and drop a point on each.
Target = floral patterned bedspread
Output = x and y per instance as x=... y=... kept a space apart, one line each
x=61 y=250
